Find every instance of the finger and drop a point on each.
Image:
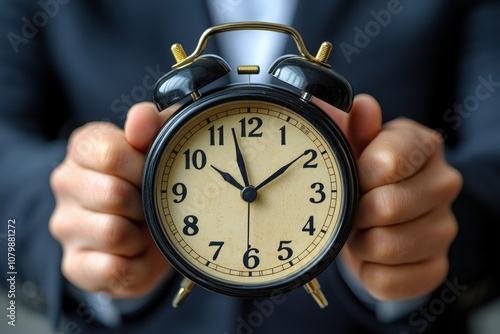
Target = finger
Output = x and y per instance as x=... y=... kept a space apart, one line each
x=400 y=150
x=364 y=122
x=98 y=192
x=405 y=281
x=143 y=123
x=436 y=185
x=119 y=276
x=78 y=228
x=361 y=125
x=411 y=242
x=102 y=147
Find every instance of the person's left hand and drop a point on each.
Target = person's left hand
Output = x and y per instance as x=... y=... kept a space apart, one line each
x=404 y=226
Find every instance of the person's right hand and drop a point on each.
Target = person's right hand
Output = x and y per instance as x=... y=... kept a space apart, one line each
x=98 y=217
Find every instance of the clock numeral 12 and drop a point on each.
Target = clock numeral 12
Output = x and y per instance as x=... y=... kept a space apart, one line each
x=252 y=132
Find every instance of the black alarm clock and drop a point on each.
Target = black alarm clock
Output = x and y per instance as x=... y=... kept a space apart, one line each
x=250 y=189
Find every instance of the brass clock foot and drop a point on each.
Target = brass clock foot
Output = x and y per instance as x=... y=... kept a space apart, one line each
x=185 y=288
x=313 y=288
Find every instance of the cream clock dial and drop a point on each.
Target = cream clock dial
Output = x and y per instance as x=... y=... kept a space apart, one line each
x=249 y=191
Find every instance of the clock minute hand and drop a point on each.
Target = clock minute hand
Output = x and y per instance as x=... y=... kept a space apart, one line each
x=228 y=178
x=240 y=161
x=278 y=172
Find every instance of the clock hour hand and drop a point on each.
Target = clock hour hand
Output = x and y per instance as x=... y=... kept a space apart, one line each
x=228 y=178
x=278 y=172
x=239 y=160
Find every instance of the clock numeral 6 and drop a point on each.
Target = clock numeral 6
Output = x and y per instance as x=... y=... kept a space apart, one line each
x=251 y=261
x=191 y=227
x=288 y=250
x=198 y=159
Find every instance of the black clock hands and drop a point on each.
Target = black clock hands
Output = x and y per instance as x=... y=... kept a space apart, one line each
x=228 y=178
x=278 y=172
x=239 y=160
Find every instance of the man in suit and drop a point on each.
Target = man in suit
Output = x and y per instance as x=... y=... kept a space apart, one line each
x=72 y=70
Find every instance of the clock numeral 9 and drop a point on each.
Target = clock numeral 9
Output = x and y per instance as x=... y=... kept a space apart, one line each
x=251 y=261
x=322 y=195
x=198 y=159
x=288 y=250
x=179 y=189
x=191 y=227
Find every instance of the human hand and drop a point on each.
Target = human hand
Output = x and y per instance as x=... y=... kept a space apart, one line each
x=404 y=225
x=98 y=218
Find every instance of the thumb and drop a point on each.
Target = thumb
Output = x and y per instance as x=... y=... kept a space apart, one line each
x=143 y=123
x=361 y=125
x=364 y=122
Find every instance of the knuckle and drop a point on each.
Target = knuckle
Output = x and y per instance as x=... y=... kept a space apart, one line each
x=118 y=273
x=112 y=193
x=377 y=281
x=108 y=156
x=381 y=245
x=57 y=225
x=113 y=232
x=386 y=205
x=385 y=163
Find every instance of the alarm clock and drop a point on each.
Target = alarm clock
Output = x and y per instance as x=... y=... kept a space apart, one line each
x=250 y=189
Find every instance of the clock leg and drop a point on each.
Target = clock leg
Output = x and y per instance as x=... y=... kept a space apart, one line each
x=313 y=288
x=185 y=288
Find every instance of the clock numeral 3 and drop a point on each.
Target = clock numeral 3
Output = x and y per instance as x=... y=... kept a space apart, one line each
x=322 y=195
x=191 y=227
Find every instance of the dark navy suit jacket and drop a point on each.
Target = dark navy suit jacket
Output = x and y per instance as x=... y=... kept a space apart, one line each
x=65 y=63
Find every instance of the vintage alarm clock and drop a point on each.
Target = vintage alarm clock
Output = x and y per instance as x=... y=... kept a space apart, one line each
x=250 y=190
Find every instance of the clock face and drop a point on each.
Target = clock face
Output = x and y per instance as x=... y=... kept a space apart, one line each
x=248 y=196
